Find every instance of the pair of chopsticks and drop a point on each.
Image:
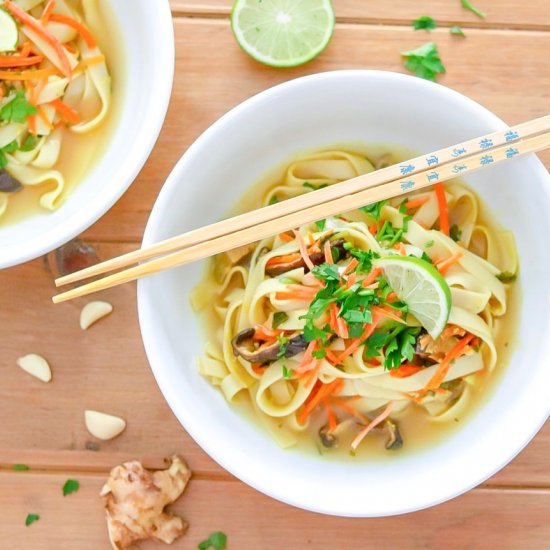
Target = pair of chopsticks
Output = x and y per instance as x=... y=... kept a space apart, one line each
x=401 y=178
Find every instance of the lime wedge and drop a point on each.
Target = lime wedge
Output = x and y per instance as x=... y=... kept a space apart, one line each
x=9 y=35
x=419 y=284
x=282 y=33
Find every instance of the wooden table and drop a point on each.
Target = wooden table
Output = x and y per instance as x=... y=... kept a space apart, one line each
x=503 y=63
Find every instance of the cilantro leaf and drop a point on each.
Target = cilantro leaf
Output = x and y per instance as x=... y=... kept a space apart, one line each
x=287 y=373
x=469 y=6
x=507 y=277
x=319 y=353
x=279 y=318
x=321 y=224
x=375 y=209
x=457 y=31
x=283 y=341
x=424 y=22
x=273 y=200
x=401 y=346
x=426 y=258
x=455 y=233
x=314 y=187
x=71 y=486
x=326 y=272
x=20 y=468
x=217 y=541
x=365 y=257
x=424 y=61
x=311 y=332
x=18 y=109
x=31 y=518
x=29 y=144
x=374 y=343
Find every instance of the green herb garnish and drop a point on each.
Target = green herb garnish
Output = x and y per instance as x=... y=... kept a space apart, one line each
x=314 y=187
x=457 y=31
x=374 y=210
x=424 y=61
x=283 y=341
x=279 y=318
x=326 y=272
x=424 y=22
x=429 y=244
x=20 y=468
x=217 y=541
x=29 y=144
x=31 y=518
x=507 y=277
x=455 y=233
x=468 y=5
x=18 y=109
x=71 y=486
x=9 y=148
x=273 y=200
x=321 y=224
x=287 y=373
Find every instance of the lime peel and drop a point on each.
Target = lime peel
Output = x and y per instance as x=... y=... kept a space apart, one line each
x=418 y=284
x=283 y=33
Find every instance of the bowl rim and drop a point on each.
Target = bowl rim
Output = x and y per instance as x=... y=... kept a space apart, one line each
x=146 y=307
x=88 y=214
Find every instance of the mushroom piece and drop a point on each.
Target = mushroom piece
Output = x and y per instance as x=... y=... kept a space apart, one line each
x=135 y=498
x=8 y=184
x=394 y=441
x=244 y=347
x=327 y=438
x=317 y=258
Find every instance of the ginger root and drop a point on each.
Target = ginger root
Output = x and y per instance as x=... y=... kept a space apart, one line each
x=135 y=498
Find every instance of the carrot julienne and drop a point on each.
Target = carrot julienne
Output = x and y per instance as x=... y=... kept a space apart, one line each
x=67 y=112
x=35 y=25
x=356 y=342
x=303 y=250
x=371 y=277
x=351 y=266
x=324 y=391
x=37 y=74
x=404 y=371
x=387 y=312
x=48 y=10
x=443 y=209
x=416 y=203
x=444 y=265
x=77 y=26
x=328 y=253
x=9 y=61
x=443 y=367
x=365 y=431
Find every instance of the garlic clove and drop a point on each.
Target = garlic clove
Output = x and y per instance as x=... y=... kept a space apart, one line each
x=93 y=312
x=103 y=426
x=36 y=366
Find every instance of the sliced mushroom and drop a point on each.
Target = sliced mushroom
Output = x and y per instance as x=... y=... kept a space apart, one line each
x=8 y=184
x=317 y=258
x=394 y=441
x=327 y=438
x=243 y=346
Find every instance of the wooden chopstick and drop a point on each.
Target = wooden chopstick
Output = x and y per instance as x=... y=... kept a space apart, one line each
x=275 y=211
x=263 y=229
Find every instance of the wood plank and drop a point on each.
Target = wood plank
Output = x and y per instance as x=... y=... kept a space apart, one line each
x=534 y=14
x=259 y=522
x=515 y=86
x=105 y=368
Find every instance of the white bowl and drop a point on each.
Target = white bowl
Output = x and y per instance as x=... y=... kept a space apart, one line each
x=147 y=41
x=236 y=151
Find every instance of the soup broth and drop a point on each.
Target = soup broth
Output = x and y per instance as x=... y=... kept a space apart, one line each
x=419 y=423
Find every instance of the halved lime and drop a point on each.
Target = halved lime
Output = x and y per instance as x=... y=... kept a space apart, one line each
x=418 y=283
x=9 y=35
x=283 y=33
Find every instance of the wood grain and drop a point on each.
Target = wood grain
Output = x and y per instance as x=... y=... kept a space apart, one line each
x=106 y=368
x=500 y=13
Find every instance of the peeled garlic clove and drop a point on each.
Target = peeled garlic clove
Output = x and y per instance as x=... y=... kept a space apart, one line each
x=103 y=426
x=93 y=312
x=36 y=365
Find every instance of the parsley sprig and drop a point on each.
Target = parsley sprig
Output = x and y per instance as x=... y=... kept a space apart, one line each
x=18 y=109
x=424 y=61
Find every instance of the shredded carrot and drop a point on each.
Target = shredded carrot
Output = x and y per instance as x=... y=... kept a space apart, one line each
x=328 y=253
x=28 y=75
x=371 y=277
x=35 y=25
x=26 y=49
x=31 y=122
x=297 y=292
x=44 y=117
x=443 y=210
x=286 y=259
x=380 y=418
x=67 y=112
x=387 y=312
x=258 y=368
x=331 y=356
x=303 y=250
x=94 y=60
x=373 y=228
x=312 y=371
x=77 y=26
x=48 y=10
x=405 y=371
x=349 y=409
x=392 y=297
x=333 y=313
x=323 y=392
x=416 y=203
x=352 y=279
x=286 y=238
x=444 y=265
x=401 y=248
x=261 y=332
x=16 y=61
x=351 y=266
x=307 y=359
x=37 y=90
x=332 y=422
x=443 y=367
x=356 y=342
